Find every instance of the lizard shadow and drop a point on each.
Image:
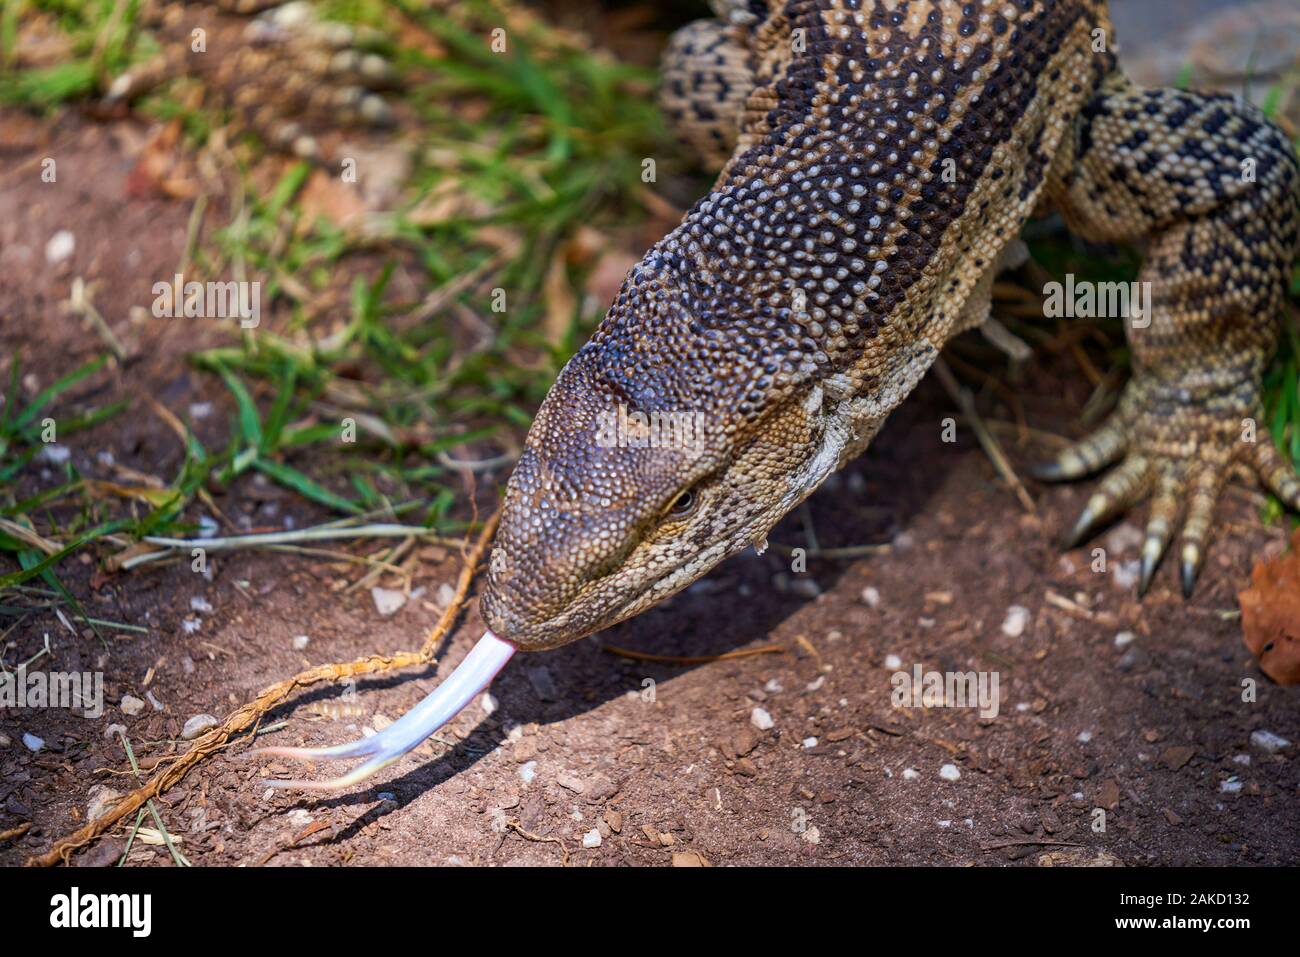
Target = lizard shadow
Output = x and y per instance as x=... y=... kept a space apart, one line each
x=872 y=501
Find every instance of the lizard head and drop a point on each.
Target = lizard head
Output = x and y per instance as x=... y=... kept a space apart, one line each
x=663 y=447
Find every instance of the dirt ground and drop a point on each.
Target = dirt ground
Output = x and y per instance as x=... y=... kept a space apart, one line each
x=1135 y=709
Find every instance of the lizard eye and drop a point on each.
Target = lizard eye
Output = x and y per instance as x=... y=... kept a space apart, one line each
x=683 y=504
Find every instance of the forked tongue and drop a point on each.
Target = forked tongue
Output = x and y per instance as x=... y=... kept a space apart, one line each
x=442 y=704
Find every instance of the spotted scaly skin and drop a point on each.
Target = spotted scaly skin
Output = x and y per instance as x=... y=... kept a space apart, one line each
x=286 y=74
x=886 y=155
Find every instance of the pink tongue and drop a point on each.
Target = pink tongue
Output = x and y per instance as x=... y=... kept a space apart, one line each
x=442 y=704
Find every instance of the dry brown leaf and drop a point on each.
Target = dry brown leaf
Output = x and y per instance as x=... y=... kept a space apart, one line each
x=327 y=197
x=607 y=277
x=560 y=301
x=1270 y=615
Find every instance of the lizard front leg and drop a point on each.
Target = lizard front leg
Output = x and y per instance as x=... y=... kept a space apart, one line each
x=285 y=73
x=705 y=79
x=1211 y=187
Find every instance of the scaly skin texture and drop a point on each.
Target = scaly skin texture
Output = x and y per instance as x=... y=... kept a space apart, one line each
x=285 y=74
x=886 y=154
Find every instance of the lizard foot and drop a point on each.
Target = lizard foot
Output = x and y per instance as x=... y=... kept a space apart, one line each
x=1178 y=450
x=286 y=73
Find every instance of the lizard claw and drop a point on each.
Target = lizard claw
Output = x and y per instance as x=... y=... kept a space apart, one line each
x=441 y=705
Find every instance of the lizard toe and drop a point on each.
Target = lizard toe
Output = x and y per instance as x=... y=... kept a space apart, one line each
x=1087 y=456
x=1160 y=526
x=1119 y=490
x=1277 y=474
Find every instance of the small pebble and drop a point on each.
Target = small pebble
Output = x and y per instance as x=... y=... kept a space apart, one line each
x=197 y=725
x=1016 y=622
x=911 y=774
x=1085 y=737
x=893 y=662
x=871 y=597
x=805 y=588
x=381 y=721
x=949 y=772
x=810 y=742
x=388 y=601
x=60 y=247
x=1125 y=575
x=489 y=703
x=1268 y=741
x=543 y=684
x=299 y=817
x=591 y=838
x=812 y=836
x=1230 y=786
x=570 y=783
x=773 y=687
x=528 y=771
x=131 y=705
x=1124 y=639
x=1124 y=537
x=760 y=719
x=201 y=605
x=102 y=800
x=300 y=642
x=32 y=742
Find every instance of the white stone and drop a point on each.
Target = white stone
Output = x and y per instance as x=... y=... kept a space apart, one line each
x=131 y=705
x=60 y=247
x=760 y=719
x=54 y=453
x=102 y=799
x=591 y=838
x=949 y=772
x=387 y=600
x=1016 y=622
x=1268 y=741
x=197 y=725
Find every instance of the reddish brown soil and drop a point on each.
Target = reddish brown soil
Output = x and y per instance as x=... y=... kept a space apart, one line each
x=1150 y=732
